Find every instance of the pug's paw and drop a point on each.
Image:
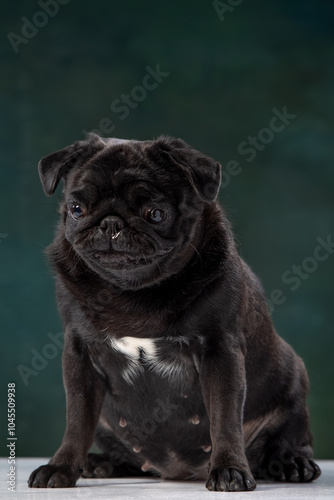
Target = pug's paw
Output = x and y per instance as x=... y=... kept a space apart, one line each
x=53 y=476
x=284 y=467
x=98 y=466
x=230 y=479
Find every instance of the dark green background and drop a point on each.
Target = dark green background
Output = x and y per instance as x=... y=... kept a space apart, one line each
x=225 y=78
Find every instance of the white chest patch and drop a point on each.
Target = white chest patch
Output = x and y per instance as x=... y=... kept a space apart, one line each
x=135 y=348
x=146 y=353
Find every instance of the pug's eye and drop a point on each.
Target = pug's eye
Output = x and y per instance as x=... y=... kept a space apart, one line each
x=155 y=215
x=76 y=211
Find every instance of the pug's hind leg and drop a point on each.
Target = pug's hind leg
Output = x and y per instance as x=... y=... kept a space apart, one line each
x=102 y=466
x=285 y=466
x=98 y=465
x=289 y=455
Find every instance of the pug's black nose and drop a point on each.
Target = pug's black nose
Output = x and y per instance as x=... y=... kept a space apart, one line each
x=112 y=224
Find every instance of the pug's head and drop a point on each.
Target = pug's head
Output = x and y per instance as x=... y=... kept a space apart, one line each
x=132 y=210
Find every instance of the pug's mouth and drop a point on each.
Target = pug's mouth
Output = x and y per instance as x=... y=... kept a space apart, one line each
x=126 y=261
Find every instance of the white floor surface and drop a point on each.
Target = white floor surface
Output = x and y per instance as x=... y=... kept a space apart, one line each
x=133 y=488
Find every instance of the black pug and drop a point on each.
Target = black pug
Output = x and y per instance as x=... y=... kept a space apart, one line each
x=170 y=359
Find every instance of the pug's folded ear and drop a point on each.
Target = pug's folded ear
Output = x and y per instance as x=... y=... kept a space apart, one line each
x=56 y=166
x=203 y=172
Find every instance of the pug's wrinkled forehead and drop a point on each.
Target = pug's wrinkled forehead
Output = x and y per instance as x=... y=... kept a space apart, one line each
x=164 y=160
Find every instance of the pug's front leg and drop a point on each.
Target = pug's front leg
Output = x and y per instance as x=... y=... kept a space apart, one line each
x=85 y=391
x=223 y=383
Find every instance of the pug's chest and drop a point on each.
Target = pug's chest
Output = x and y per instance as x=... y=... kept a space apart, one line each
x=171 y=359
x=139 y=371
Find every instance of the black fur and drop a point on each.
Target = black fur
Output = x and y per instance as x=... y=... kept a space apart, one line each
x=210 y=391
